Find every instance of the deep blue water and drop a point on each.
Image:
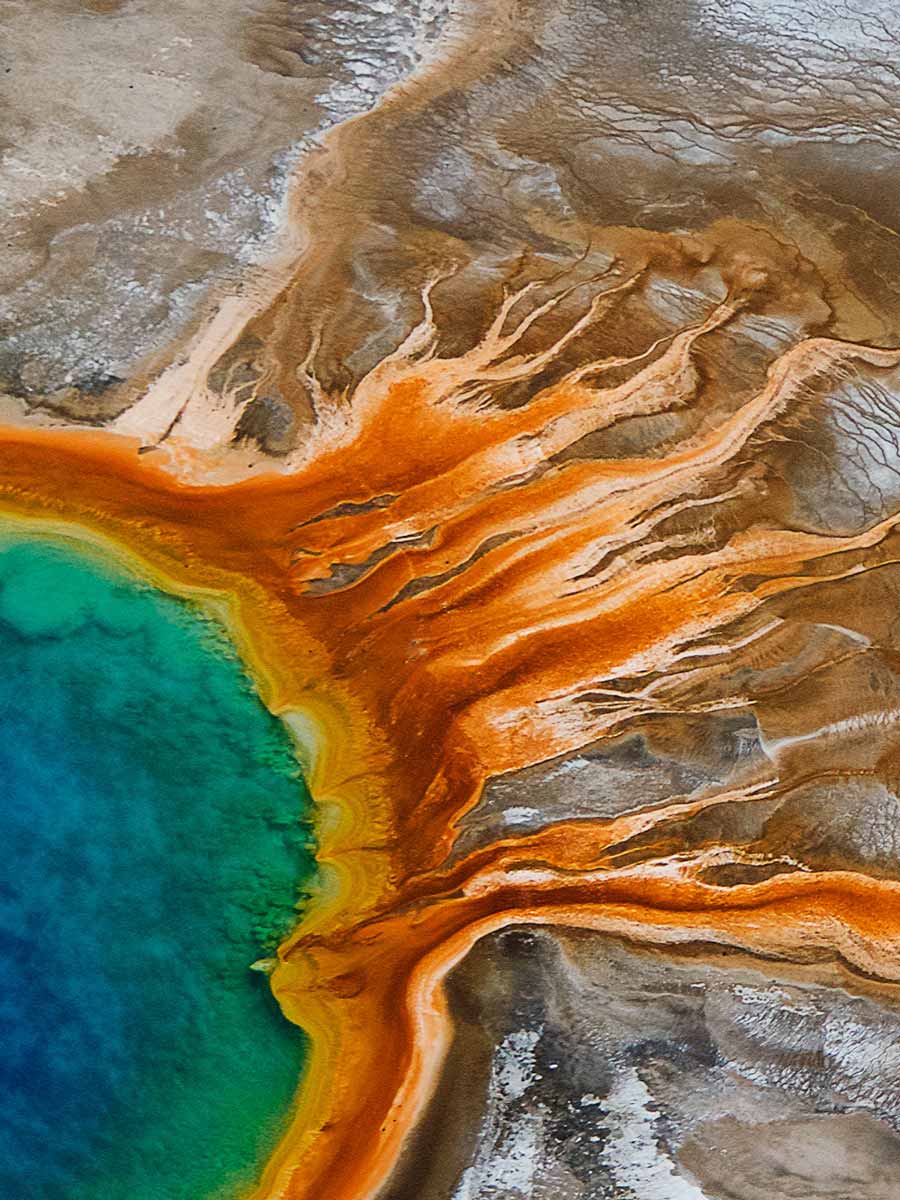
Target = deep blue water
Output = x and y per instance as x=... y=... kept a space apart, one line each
x=152 y=848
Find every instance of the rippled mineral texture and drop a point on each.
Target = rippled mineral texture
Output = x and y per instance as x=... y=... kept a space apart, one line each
x=539 y=361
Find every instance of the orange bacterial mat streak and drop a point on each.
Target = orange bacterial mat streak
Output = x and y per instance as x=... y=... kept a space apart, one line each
x=431 y=602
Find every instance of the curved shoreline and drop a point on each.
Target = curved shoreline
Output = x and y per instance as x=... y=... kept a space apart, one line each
x=318 y=725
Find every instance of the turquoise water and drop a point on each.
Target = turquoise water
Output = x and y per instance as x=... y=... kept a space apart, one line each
x=151 y=827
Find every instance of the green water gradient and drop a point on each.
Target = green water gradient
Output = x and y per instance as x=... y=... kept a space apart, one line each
x=153 y=846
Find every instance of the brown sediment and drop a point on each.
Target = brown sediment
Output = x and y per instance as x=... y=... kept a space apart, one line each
x=433 y=599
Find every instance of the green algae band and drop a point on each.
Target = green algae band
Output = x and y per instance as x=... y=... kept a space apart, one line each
x=153 y=847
